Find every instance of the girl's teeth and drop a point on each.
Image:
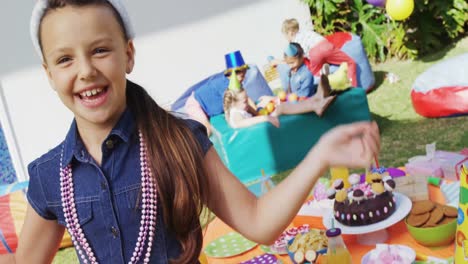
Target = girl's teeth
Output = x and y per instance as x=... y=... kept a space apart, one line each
x=91 y=92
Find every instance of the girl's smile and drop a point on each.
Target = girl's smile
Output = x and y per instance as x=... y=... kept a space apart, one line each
x=93 y=96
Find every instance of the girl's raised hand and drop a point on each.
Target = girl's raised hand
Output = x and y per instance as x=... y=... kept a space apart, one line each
x=353 y=146
x=274 y=121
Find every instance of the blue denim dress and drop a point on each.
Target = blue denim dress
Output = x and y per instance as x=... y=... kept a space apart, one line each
x=106 y=196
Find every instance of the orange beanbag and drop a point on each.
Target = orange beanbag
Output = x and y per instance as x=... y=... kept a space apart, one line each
x=12 y=213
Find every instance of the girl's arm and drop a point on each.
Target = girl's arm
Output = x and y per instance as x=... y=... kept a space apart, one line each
x=275 y=62
x=38 y=242
x=263 y=219
x=252 y=107
x=240 y=122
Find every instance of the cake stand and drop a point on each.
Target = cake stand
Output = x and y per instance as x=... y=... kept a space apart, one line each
x=373 y=233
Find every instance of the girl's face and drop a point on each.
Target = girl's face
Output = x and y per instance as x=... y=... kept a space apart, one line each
x=241 y=101
x=240 y=74
x=86 y=58
x=294 y=62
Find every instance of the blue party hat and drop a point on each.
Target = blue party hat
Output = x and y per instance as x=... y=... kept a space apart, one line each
x=290 y=50
x=235 y=61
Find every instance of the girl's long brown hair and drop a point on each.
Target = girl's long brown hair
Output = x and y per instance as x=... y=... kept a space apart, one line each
x=177 y=163
x=175 y=155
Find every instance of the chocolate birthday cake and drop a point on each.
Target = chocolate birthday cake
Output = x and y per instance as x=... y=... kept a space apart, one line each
x=363 y=203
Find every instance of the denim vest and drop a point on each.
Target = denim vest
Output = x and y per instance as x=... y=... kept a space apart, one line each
x=106 y=196
x=302 y=82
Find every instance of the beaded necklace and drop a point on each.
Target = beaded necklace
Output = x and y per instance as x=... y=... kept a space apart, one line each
x=148 y=214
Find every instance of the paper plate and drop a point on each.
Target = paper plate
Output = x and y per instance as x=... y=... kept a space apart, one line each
x=266 y=249
x=229 y=245
x=263 y=259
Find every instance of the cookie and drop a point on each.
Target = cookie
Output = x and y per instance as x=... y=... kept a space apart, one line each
x=426 y=225
x=418 y=220
x=450 y=211
x=446 y=220
x=422 y=207
x=436 y=215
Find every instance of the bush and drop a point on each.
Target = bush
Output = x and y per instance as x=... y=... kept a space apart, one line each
x=433 y=25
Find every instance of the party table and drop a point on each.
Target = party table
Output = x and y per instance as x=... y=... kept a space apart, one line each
x=398 y=235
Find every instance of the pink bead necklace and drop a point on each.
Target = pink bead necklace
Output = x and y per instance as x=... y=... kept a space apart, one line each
x=148 y=214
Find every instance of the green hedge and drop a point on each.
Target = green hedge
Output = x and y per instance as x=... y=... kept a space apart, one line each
x=432 y=25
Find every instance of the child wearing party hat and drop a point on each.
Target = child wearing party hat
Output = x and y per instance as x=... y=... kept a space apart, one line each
x=298 y=79
x=318 y=49
x=207 y=101
x=238 y=112
x=301 y=82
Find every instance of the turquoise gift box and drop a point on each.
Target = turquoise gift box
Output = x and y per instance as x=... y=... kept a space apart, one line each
x=246 y=151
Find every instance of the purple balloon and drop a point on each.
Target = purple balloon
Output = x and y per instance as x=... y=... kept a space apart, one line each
x=395 y=173
x=379 y=3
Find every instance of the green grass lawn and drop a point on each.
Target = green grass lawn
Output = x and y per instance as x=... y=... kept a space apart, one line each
x=404 y=133
x=393 y=101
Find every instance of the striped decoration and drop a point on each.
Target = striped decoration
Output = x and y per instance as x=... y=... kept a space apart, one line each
x=451 y=191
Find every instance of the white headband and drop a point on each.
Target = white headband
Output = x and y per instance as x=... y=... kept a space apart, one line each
x=41 y=6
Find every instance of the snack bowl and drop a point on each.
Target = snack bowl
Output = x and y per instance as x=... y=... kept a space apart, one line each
x=280 y=247
x=440 y=235
x=291 y=254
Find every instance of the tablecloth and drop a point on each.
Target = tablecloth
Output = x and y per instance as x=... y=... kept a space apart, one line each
x=398 y=235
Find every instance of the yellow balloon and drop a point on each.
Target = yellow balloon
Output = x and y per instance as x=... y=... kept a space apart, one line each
x=399 y=9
